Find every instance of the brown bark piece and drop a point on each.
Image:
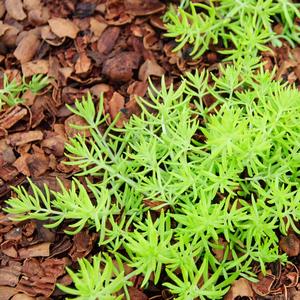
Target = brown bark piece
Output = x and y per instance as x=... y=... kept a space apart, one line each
x=3 y=28
x=115 y=104
x=55 y=144
x=40 y=278
x=15 y=9
x=29 y=228
x=136 y=294
x=240 y=288
x=52 y=183
x=9 y=249
x=39 y=250
x=14 y=236
x=39 y=16
x=40 y=66
x=12 y=116
x=7 y=292
x=149 y=68
x=10 y=275
x=48 y=36
x=8 y=173
x=2 y=8
x=22 y=297
x=97 y=27
x=21 y=164
x=31 y=4
x=121 y=66
x=62 y=247
x=138 y=88
x=108 y=39
x=9 y=34
x=22 y=138
x=290 y=245
x=84 y=9
x=7 y=155
x=83 y=244
x=143 y=8
x=63 y=27
x=83 y=64
x=27 y=48
x=38 y=164
x=264 y=285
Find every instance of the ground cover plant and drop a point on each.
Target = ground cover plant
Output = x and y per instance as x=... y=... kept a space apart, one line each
x=12 y=91
x=187 y=180
x=242 y=27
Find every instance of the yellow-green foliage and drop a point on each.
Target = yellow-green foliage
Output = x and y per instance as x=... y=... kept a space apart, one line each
x=243 y=27
x=237 y=184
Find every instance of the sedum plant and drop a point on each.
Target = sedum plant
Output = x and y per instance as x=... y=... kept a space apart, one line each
x=11 y=93
x=244 y=27
x=93 y=284
x=149 y=245
x=183 y=180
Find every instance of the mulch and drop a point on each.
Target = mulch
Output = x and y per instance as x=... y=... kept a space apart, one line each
x=96 y=46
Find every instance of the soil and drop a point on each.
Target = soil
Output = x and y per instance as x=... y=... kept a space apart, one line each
x=109 y=46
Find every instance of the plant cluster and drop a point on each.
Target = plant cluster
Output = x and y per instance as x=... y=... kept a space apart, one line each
x=12 y=91
x=181 y=182
x=93 y=284
x=243 y=27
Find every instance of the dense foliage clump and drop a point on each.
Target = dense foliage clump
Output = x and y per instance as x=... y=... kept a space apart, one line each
x=182 y=181
x=241 y=27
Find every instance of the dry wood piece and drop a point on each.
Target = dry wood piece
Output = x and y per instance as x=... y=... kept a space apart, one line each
x=83 y=64
x=2 y=8
x=40 y=278
x=115 y=104
x=97 y=27
x=290 y=244
x=7 y=292
x=136 y=294
x=15 y=9
x=40 y=66
x=149 y=68
x=108 y=39
x=22 y=138
x=7 y=155
x=21 y=164
x=264 y=285
x=83 y=244
x=121 y=66
x=38 y=163
x=22 y=297
x=38 y=250
x=9 y=248
x=12 y=116
x=27 y=48
x=8 y=173
x=10 y=275
x=63 y=27
x=240 y=288
x=144 y=8
x=39 y=16
x=54 y=143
